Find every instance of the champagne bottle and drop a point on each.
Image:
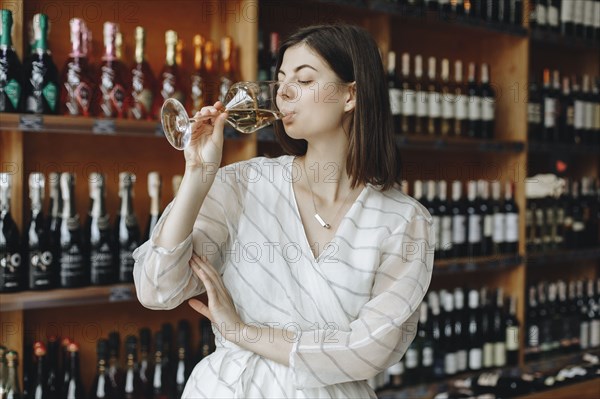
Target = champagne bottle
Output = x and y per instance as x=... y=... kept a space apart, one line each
x=100 y=241
x=169 y=80
x=115 y=372
x=53 y=375
x=226 y=79
x=127 y=231
x=145 y=369
x=207 y=339
x=39 y=390
x=198 y=92
x=160 y=376
x=112 y=79
x=101 y=386
x=11 y=81
x=41 y=264
x=11 y=270
x=77 y=89
x=143 y=82
x=183 y=367
x=73 y=388
x=12 y=388
x=73 y=265
x=154 y=191
x=132 y=389
x=41 y=76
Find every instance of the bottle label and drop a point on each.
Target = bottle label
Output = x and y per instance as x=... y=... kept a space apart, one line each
x=570 y=119
x=552 y=16
x=594 y=333
x=499 y=228
x=588 y=13
x=126 y=265
x=458 y=229
x=448 y=101
x=597 y=115
x=10 y=265
x=579 y=114
x=488 y=226
x=578 y=226
x=512 y=227
x=578 y=10
x=446 y=235
x=549 y=112
x=435 y=106
x=488 y=354
x=427 y=360
x=101 y=260
x=475 y=358
x=488 y=108
x=474 y=229
x=411 y=359
x=566 y=12
x=499 y=354
x=450 y=364
x=395 y=101
x=533 y=336
x=71 y=262
x=461 y=360
x=422 y=103
x=474 y=108
x=597 y=15
x=461 y=107
x=512 y=338
x=584 y=335
x=534 y=113
x=13 y=92
x=117 y=99
x=50 y=92
x=40 y=266
x=589 y=115
x=540 y=14
x=437 y=224
x=142 y=104
x=409 y=102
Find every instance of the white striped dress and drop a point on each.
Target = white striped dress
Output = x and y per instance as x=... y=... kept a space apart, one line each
x=351 y=313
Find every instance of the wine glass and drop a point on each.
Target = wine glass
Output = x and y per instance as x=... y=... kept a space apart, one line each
x=250 y=107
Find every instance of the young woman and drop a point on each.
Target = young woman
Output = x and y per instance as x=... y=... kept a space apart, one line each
x=314 y=263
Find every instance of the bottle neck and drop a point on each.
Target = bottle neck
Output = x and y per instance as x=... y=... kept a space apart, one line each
x=6 y=37
x=139 y=50
x=126 y=203
x=170 y=58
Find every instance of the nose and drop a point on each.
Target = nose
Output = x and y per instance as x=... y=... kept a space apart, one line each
x=288 y=91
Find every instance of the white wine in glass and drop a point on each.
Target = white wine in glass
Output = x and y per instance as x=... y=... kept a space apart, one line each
x=250 y=106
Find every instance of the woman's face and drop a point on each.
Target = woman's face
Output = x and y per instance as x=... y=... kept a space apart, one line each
x=311 y=94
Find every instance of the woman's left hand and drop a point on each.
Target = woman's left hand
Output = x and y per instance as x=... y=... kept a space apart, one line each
x=220 y=309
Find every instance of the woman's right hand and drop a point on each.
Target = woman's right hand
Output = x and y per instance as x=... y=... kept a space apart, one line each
x=205 y=148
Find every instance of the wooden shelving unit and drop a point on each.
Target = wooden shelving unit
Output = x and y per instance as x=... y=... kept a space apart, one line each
x=85 y=145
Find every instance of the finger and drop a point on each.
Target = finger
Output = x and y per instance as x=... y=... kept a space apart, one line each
x=210 y=271
x=213 y=294
x=218 y=130
x=201 y=308
x=219 y=105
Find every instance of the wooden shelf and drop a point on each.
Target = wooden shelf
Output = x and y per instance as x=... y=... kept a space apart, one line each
x=548 y=38
x=91 y=126
x=543 y=258
x=477 y=264
x=458 y=144
x=26 y=300
x=562 y=148
x=582 y=390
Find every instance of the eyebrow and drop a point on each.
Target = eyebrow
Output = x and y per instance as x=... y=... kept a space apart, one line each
x=299 y=68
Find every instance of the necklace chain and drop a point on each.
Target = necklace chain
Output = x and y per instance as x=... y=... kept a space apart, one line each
x=322 y=222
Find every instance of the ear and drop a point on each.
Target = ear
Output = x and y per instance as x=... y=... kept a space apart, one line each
x=350 y=103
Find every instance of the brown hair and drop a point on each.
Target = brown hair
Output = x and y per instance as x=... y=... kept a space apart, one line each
x=353 y=56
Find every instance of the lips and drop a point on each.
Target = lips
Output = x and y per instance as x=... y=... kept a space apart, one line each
x=288 y=116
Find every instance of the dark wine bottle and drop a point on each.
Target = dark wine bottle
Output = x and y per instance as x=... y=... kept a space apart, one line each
x=100 y=239
x=567 y=116
x=488 y=104
x=395 y=94
x=407 y=117
x=160 y=376
x=475 y=333
x=487 y=217
x=112 y=78
x=548 y=108
x=73 y=388
x=11 y=270
x=460 y=102
x=12 y=388
x=207 y=339
x=436 y=334
x=145 y=369
x=183 y=367
x=460 y=330
x=487 y=328
x=499 y=330
x=474 y=107
x=511 y=219
x=53 y=375
x=421 y=97
x=115 y=372
x=39 y=389
x=474 y=221
x=459 y=220
x=445 y=215
x=54 y=219
x=534 y=112
x=498 y=236
x=73 y=265
x=448 y=101
x=101 y=386
x=40 y=90
x=448 y=338
x=127 y=231
x=567 y=28
x=532 y=328
x=154 y=192
x=41 y=264
x=434 y=105
x=11 y=81
x=132 y=389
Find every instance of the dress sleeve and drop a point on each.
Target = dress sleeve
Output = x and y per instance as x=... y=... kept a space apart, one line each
x=386 y=324
x=163 y=277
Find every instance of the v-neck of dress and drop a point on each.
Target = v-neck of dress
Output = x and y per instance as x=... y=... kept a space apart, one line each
x=297 y=210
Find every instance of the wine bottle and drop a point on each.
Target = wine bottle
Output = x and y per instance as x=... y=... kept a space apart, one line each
x=115 y=372
x=127 y=231
x=541 y=14
x=567 y=115
x=395 y=94
x=588 y=122
x=11 y=271
x=101 y=244
x=183 y=367
x=73 y=265
x=573 y=321
x=597 y=20
x=425 y=345
x=499 y=234
x=143 y=82
x=532 y=339
x=411 y=359
x=563 y=328
x=461 y=102
x=198 y=93
x=487 y=328
x=436 y=334
x=459 y=216
x=40 y=261
x=434 y=106
x=145 y=370
x=207 y=339
x=534 y=112
x=53 y=375
x=488 y=104
x=101 y=386
x=511 y=220
x=556 y=134
x=487 y=218
x=516 y=16
x=594 y=316
x=577 y=237
x=499 y=330
x=11 y=81
x=226 y=79
x=567 y=9
x=448 y=338
x=2 y=369
x=475 y=334
x=78 y=89
x=169 y=81
x=587 y=203
x=447 y=101
x=548 y=108
x=445 y=215
x=474 y=221
x=263 y=58
x=407 y=117
x=273 y=50
x=588 y=20
x=460 y=330
x=552 y=15
x=160 y=376
x=40 y=88
x=154 y=192
x=12 y=388
x=421 y=98
x=53 y=221
x=112 y=78
x=474 y=106
x=433 y=204
x=132 y=389
x=73 y=388
x=39 y=389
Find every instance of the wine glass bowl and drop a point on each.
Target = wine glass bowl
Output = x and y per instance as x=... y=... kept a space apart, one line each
x=250 y=106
